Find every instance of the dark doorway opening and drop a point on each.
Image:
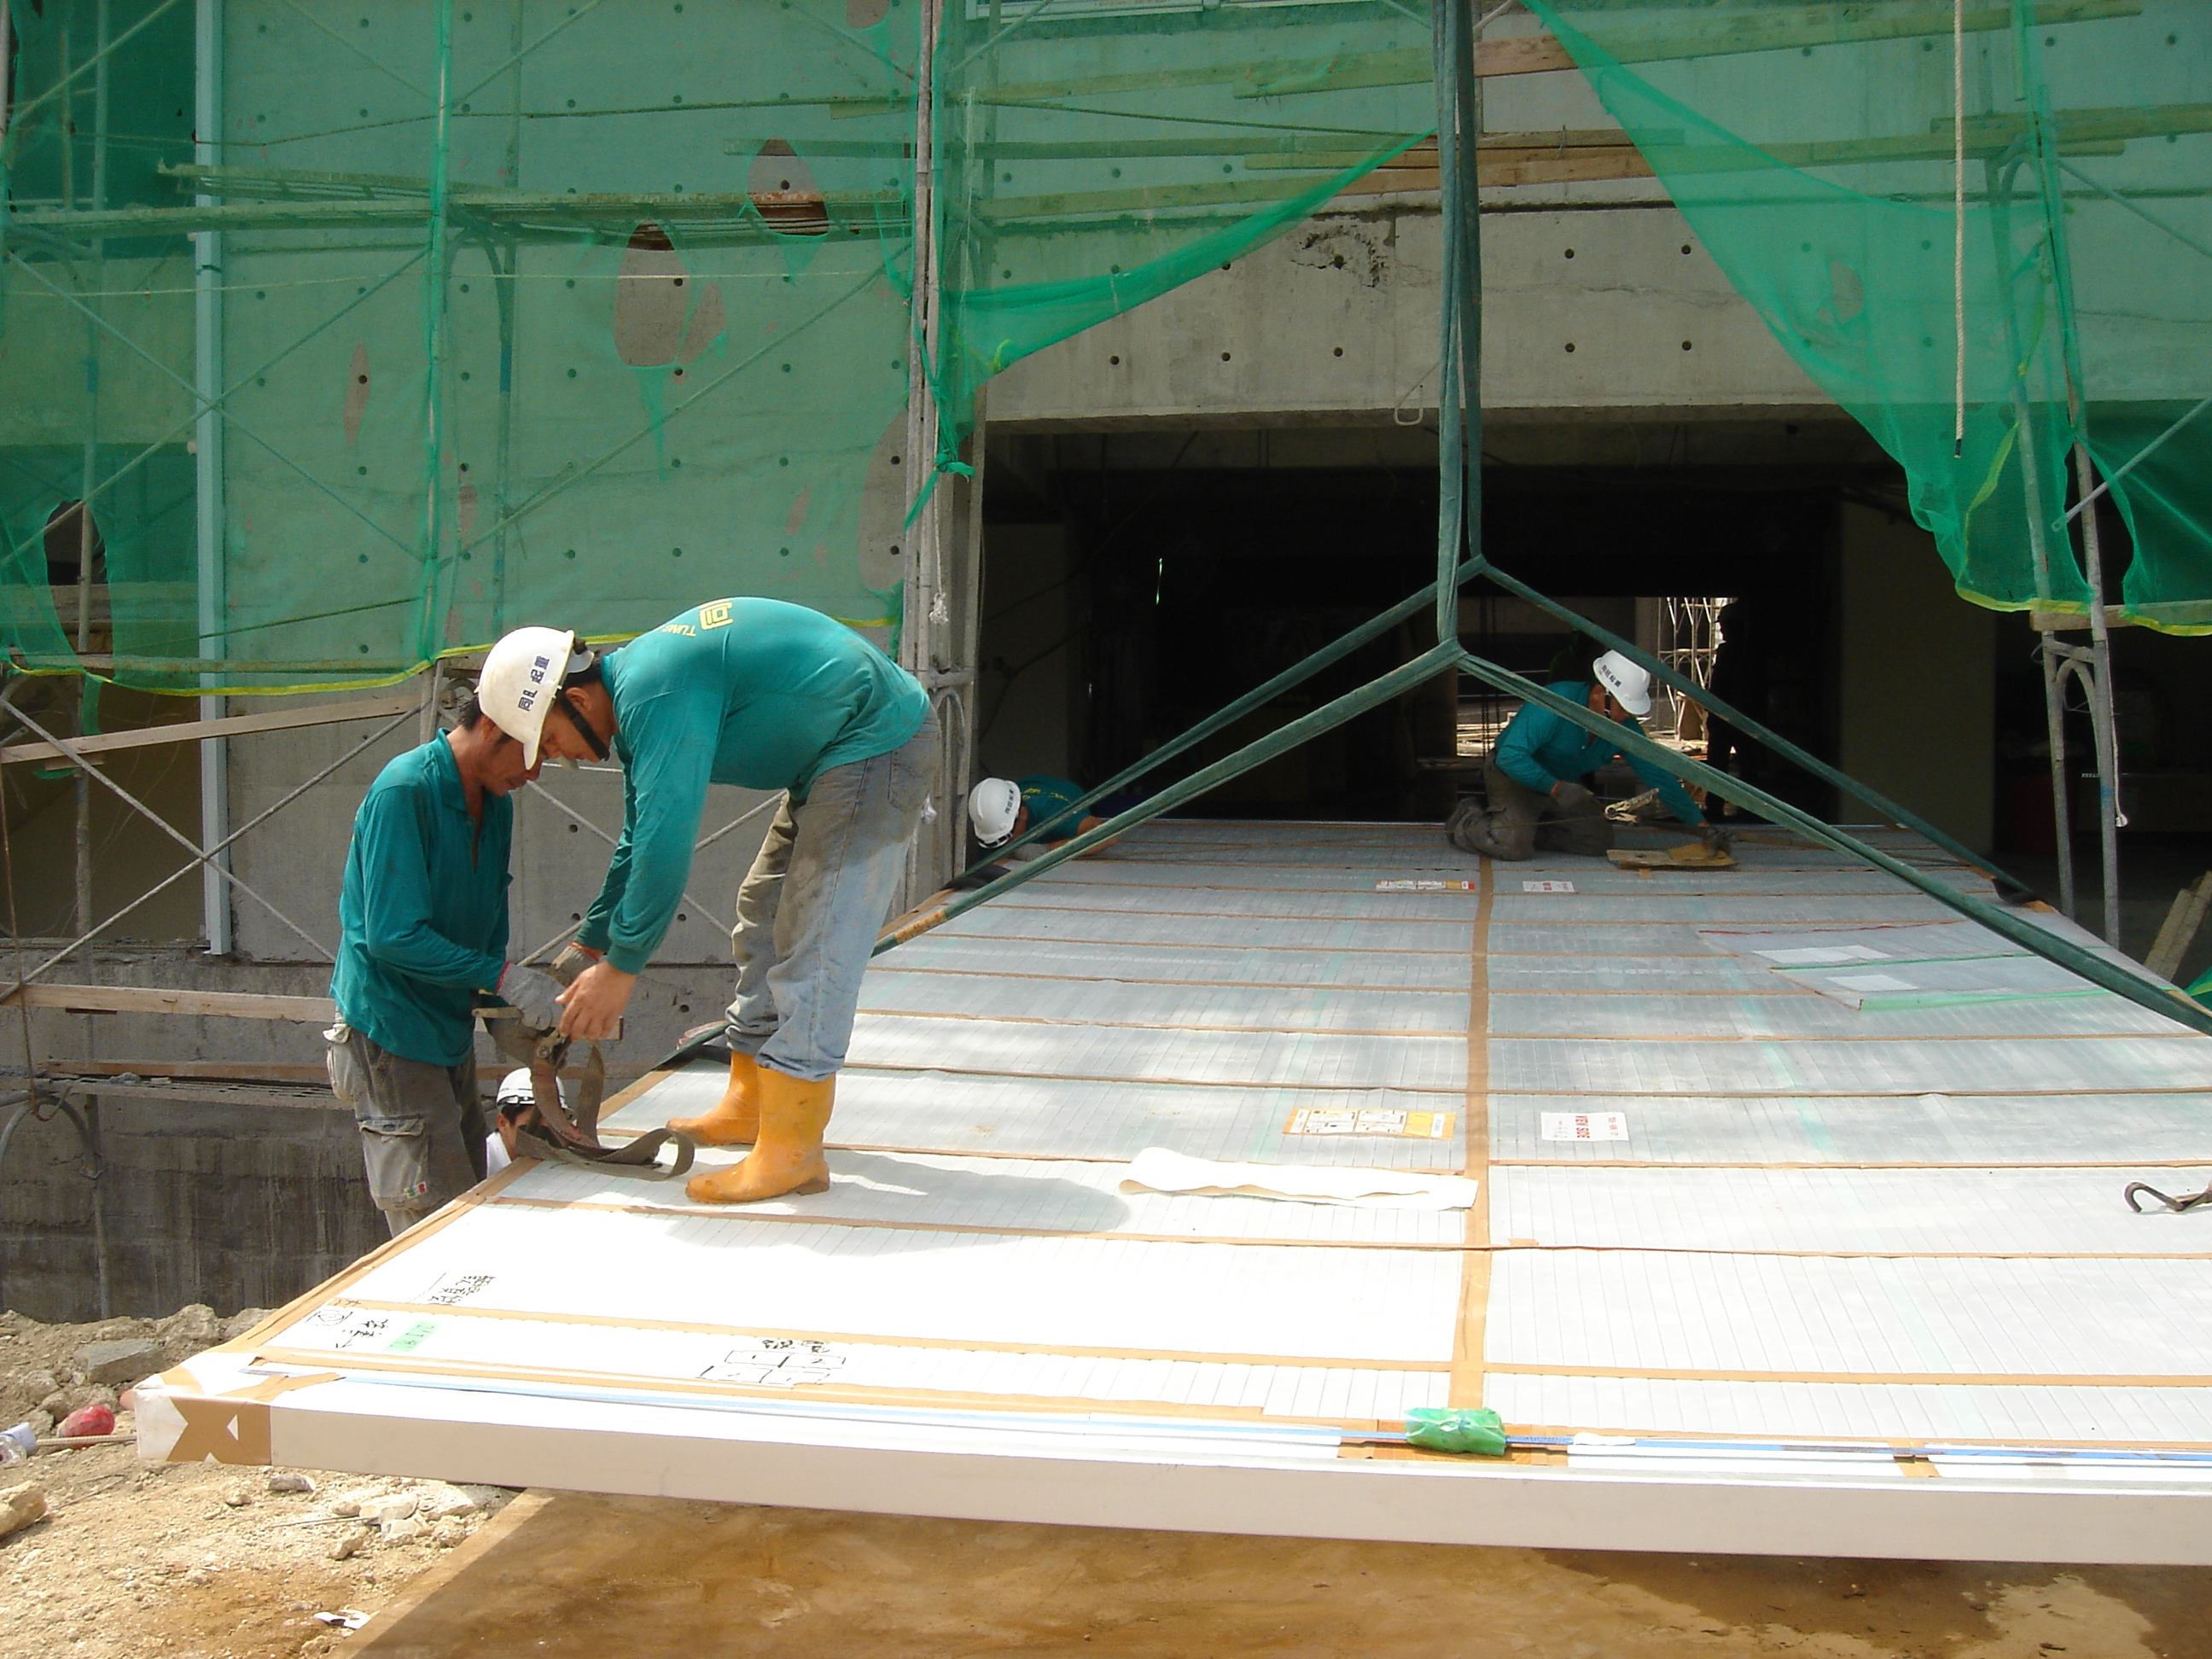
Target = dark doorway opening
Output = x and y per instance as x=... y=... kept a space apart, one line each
x=1123 y=604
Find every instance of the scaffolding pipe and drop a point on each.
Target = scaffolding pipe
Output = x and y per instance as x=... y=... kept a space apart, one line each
x=2102 y=719
x=208 y=477
x=2136 y=987
x=1281 y=741
x=1750 y=727
x=1258 y=698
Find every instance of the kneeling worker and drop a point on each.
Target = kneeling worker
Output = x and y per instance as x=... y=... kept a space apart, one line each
x=421 y=930
x=1531 y=780
x=765 y=696
x=1001 y=808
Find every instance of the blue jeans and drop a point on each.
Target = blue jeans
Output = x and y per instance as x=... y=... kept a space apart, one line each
x=816 y=899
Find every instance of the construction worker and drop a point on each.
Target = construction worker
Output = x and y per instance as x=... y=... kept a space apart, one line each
x=1532 y=781
x=1001 y=808
x=422 y=930
x=765 y=696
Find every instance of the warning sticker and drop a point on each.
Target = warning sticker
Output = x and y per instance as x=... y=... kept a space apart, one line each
x=776 y=1362
x=1365 y=1121
x=1423 y=885
x=1585 y=1126
x=1547 y=887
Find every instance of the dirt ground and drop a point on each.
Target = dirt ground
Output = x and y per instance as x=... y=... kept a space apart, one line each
x=204 y=1562
x=583 y=1575
x=197 y=1561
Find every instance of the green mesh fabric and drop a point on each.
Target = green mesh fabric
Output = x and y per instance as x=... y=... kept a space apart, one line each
x=1093 y=156
x=618 y=320
x=516 y=311
x=1811 y=150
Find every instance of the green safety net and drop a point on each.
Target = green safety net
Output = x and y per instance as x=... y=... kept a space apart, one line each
x=517 y=311
x=1814 y=151
x=509 y=312
x=1091 y=156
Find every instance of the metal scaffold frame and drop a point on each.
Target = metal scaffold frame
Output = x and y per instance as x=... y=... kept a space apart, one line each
x=937 y=642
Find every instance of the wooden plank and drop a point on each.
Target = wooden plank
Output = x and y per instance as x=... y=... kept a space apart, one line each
x=143 y=999
x=329 y=713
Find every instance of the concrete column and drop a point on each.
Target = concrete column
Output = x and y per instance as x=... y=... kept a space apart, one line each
x=1917 y=705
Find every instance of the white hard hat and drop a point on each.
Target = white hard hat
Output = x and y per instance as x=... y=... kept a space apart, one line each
x=521 y=677
x=1631 y=686
x=514 y=1089
x=993 y=807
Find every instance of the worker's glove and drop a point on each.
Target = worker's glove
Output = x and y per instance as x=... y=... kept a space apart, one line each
x=1573 y=801
x=533 y=995
x=569 y=965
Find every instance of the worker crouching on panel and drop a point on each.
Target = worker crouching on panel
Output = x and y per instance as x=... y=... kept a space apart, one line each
x=764 y=695
x=1001 y=808
x=1531 y=781
x=422 y=930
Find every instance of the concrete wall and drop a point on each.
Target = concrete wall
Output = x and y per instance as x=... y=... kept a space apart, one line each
x=1917 y=705
x=1611 y=313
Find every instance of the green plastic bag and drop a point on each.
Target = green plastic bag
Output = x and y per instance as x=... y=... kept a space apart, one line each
x=1437 y=1428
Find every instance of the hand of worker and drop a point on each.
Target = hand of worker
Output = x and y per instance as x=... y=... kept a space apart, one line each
x=573 y=960
x=592 y=1007
x=534 y=995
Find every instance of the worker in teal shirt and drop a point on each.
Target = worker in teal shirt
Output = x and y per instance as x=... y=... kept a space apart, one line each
x=1533 y=795
x=422 y=934
x=1000 y=809
x=765 y=696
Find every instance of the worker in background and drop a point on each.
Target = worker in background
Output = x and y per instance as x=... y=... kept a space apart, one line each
x=765 y=696
x=422 y=932
x=999 y=809
x=1536 y=797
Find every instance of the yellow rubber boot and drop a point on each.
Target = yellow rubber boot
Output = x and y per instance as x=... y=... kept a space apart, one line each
x=787 y=1155
x=735 y=1119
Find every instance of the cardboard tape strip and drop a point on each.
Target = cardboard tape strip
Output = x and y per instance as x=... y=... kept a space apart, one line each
x=869 y=1339
x=1471 y=1326
x=679 y=1389
x=1880 y=1379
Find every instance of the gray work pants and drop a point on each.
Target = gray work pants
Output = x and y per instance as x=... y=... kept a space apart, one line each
x=422 y=1126
x=1517 y=820
x=817 y=896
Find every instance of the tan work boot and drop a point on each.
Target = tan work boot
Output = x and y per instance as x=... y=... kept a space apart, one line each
x=787 y=1155
x=735 y=1119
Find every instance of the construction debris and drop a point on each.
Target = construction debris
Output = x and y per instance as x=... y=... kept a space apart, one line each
x=113 y=1559
x=1690 y=855
x=20 y=1506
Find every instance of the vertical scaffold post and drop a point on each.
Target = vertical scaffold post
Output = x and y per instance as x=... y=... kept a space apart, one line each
x=2103 y=723
x=1459 y=396
x=437 y=254
x=925 y=613
x=207 y=472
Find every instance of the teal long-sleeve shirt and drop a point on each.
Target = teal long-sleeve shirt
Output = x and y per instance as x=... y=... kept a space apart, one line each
x=751 y=692
x=423 y=912
x=1540 y=748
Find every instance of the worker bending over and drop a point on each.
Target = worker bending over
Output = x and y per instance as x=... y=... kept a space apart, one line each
x=765 y=696
x=421 y=931
x=1000 y=809
x=1532 y=780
